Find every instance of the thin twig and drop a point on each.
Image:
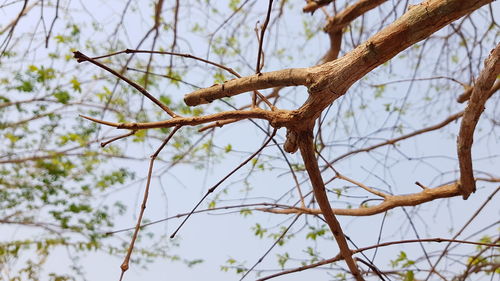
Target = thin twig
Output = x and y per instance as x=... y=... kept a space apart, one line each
x=440 y=125
x=472 y=218
x=339 y=257
x=363 y=186
x=197 y=212
x=56 y=16
x=103 y=144
x=212 y=189
x=261 y=37
x=260 y=61
x=270 y=248
x=80 y=57
x=197 y=120
x=125 y=265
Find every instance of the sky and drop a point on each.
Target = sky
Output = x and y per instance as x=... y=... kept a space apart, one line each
x=216 y=237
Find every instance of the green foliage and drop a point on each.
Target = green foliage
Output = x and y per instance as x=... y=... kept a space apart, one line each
x=56 y=180
x=402 y=260
x=62 y=96
x=314 y=232
x=379 y=90
x=245 y=212
x=238 y=267
x=233 y=4
x=259 y=231
x=52 y=173
x=409 y=276
x=313 y=255
x=282 y=259
x=279 y=235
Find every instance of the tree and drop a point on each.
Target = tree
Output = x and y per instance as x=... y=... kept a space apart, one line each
x=365 y=156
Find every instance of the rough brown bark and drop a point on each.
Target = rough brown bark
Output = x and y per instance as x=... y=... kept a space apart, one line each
x=480 y=94
x=286 y=77
x=390 y=202
x=331 y=80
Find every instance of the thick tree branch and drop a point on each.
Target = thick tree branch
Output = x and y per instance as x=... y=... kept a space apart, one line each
x=286 y=77
x=465 y=96
x=333 y=79
x=390 y=202
x=475 y=107
x=306 y=146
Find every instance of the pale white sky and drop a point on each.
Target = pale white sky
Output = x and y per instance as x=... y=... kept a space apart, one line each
x=216 y=238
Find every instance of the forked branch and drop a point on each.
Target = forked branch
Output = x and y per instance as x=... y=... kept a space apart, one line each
x=80 y=57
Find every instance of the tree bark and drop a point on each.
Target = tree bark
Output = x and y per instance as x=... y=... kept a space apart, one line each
x=306 y=145
x=480 y=94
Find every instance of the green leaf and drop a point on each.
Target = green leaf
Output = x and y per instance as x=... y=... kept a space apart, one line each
x=13 y=138
x=379 y=91
x=194 y=262
x=4 y=99
x=211 y=205
x=259 y=230
x=233 y=4
x=26 y=86
x=62 y=96
x=316 y=232
x=219 y=78
x=165 y=100
x=75 y=84
x=410 y=276
x=282 y=259
x=245 y=212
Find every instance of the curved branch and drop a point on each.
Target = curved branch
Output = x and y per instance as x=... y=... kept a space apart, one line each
x=465 y=96
x=332 y=80
x=391 y=202
x=306 y=146
x=285 y=77
x=480 y=94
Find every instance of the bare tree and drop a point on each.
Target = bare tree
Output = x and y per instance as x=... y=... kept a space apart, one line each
x=444 y=42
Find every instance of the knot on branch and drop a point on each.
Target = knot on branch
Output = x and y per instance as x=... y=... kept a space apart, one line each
x=291 y=144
